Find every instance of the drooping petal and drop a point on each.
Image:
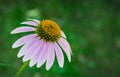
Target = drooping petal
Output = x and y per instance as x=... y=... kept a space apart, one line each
x=43 y=55
x=23 y=29
x=66 y=47
x=23 y=40
x=63 y=34
x=32 y=23
x=59 y=55
x=50 y=57
x=31 y=50
x=25 y=48
x=36 y=54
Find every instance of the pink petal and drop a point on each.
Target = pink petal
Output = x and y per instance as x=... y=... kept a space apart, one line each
x=59 y=55
x=66 y=47
x=25 y=48
x=36 y=54
x=37 y=21
x=23 y=40
x=50 y=56
x=23 y=29
x=43 y=54
x=33 y=23
x=63 y=34
x=31 y=50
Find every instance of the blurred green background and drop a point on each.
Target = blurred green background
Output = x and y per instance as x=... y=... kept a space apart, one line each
x=92 y=28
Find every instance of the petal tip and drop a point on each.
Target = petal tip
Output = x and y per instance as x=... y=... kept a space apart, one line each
x=69 y=60
x=47 y=68
x=12 y=32
x=61 y=66
x=23 y=60
x=31 y=65
x=13 y=46
x=38 y=66
x=18 y=56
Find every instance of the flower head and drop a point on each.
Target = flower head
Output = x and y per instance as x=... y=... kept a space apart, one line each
x=46 y=42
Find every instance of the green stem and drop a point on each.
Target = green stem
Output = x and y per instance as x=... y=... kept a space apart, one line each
x=21 y=69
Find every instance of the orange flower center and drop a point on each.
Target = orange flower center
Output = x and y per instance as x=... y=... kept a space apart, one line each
x=49 y=31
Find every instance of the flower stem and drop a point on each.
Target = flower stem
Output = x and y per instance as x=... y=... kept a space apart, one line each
x=21 y=69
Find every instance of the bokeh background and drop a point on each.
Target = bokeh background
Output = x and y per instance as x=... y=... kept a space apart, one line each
x=92 y=28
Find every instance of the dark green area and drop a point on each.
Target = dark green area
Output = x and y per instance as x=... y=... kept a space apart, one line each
x=91 y=26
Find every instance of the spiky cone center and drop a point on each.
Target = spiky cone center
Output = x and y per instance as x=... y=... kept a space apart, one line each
x=48 y=30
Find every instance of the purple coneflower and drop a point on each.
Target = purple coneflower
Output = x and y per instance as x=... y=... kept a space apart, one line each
x=46 y=42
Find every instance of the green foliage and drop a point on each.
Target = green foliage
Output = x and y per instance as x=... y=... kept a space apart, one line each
x=92 y=28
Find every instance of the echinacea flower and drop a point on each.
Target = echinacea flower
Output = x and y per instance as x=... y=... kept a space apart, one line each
x=46 y=42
